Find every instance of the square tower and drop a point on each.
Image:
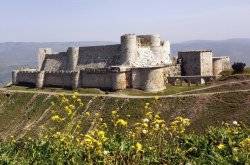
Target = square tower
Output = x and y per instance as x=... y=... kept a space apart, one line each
x=196 y=63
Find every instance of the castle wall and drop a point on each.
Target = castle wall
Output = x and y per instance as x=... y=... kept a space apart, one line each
x=148 y=79
x=55 y=62
x=190 y=63
x=96 y=80
x=220 y=64
x=98 y=56
x=26 y=77
x=196 y=63
x=63 y=79
x=41 y=56
x=170 y=71
x=72 y=54
x=206 y=64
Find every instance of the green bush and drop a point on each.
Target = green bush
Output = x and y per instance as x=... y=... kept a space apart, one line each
x=238 y=67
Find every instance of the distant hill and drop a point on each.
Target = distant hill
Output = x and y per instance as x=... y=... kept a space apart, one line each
x=21 y=54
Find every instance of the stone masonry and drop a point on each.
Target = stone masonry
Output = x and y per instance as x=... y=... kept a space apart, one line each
x=139 y=61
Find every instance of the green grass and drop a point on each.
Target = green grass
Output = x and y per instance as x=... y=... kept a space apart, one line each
x=58 y=89
x=19 y=110
x=223 y=88
x=133 y=92
x=170 y=90
x=230 y=72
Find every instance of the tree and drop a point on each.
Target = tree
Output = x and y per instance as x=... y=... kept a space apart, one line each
x=238 y=67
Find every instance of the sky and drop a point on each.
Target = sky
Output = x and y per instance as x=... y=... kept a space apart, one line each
x=106 y=20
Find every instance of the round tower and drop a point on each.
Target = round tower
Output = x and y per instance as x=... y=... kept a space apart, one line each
x=149 y=79
x=75 y=79
x=14 y=77
x=155 y=40
x=128 y=49
x=155 y=43
x=73 y=53
x=119 y=81
x=40 y=79
x=41 y=56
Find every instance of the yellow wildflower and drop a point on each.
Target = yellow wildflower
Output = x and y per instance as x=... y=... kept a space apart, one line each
x=245 y=144
x=56 y=118
x=221 y=146
x=101 y=135
x=87 y=113
x=76 y=93
x=145 y=125
x=157 y=97
x=52 y=103
x=138 y=147
x=114 y=112
x=157 y=126
x=72 y=107
x=145 y=120
x=121 y=122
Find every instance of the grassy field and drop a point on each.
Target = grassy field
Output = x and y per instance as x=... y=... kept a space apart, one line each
x=191 y=127
x=44 y=129
x=23 y=113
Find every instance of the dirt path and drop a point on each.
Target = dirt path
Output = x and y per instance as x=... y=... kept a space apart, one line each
x=212 y=86
x=122 y=95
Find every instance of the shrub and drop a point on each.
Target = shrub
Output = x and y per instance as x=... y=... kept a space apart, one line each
x=238 y=67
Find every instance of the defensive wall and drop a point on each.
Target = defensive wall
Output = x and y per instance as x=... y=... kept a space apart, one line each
x=113 y=78
x=134 y=51
x=220 y=64
x=139 y=61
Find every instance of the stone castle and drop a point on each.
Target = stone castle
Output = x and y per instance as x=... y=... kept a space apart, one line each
x=139 y=61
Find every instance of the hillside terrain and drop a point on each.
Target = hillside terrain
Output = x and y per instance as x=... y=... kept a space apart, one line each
x=20 y=54
x=28 y=112
x=205 y=124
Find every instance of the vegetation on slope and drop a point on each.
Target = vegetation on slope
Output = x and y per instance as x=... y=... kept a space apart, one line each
x=25 y=113
x=148 y=139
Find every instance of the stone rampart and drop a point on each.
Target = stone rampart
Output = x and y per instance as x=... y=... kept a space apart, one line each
x=196 y=63
x=55 y=62
x=96 y=80
x=98 y=56
x=220 y=64
x=61 y=79
x=42 y=52
x=25 y=77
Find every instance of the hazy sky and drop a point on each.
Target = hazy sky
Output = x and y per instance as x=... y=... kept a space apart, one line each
x=92 y=20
